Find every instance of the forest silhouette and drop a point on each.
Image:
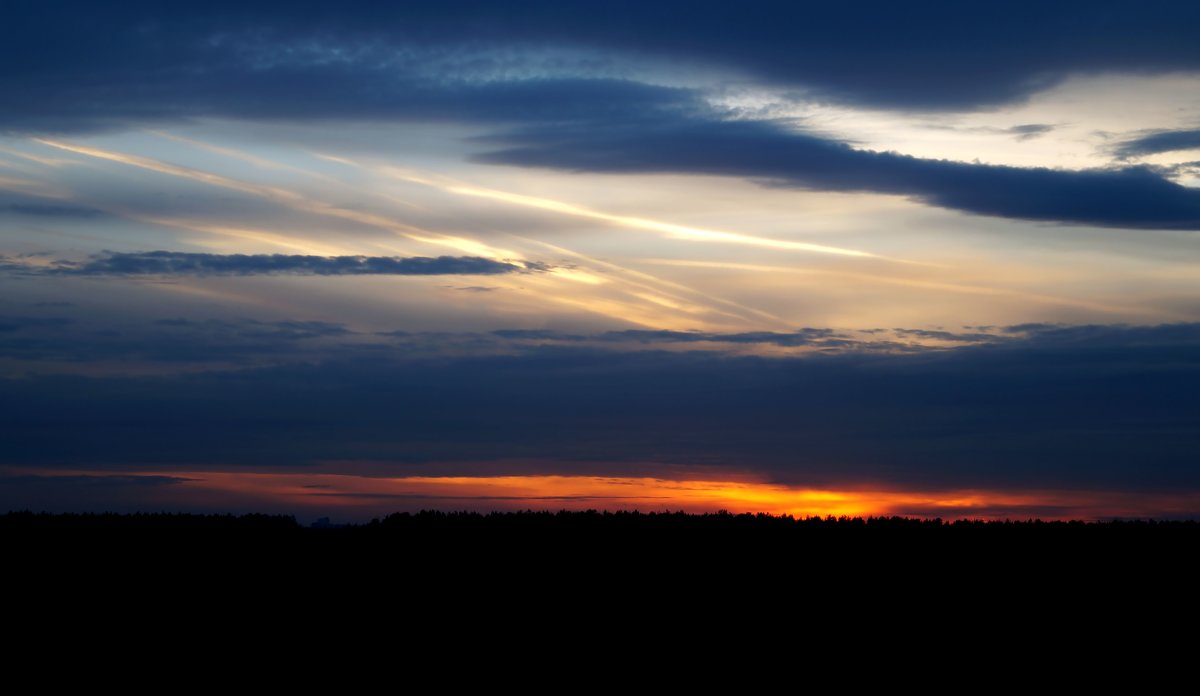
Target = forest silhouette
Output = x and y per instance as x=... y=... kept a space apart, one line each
x=675 y=564
x=652 y=536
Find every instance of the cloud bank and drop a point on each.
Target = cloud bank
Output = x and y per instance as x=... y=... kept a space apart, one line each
x=1075 y=407
x=1132 y=197
x=1162 y=141
x=269 y=58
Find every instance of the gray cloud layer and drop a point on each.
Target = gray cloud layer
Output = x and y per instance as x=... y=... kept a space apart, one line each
x=183 y=263
x=1085 y=406
x=49 y=211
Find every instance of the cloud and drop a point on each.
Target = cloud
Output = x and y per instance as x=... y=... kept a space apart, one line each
x=165 y=343
x=9 y=264
x=1133 y=197
x=43 y=210
x=168 y=344
x=254 y=68
x=183 y=263
x=1161 y=141
x=1078 y=407
x=10 y=324
x=578 y=92
x=474 y=288
x=795 y=338
x=802 y=337
x=71 y=65
x=939 y=335
x=1029 y=131
x=252 y=328
x=85 y=492
x=91 y=481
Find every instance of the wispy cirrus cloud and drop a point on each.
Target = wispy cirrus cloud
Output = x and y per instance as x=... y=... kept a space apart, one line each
x=801 y=337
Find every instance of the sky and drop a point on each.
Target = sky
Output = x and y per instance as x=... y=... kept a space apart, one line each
x=340 y=260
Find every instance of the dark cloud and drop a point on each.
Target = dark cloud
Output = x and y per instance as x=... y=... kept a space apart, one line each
x=1133 y=197
x=9 y=324
x=1029 y=131
x=939 y=335
x=166 y=342
x=91 y=481
x=9 y=264
x=182 y=263
x=44 y=210
x=170 y=343
x=1161 y=141
x=84 y=492
x=255 y=69
x=1084 y=407
x=71 y=63
x=536 y=335
x=252 y=328
x=1031 y=327
x=466 y=497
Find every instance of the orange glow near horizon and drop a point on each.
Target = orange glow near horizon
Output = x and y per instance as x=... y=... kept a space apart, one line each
x=355 y=496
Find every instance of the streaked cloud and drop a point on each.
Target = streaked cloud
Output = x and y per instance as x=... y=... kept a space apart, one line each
x=671 y=229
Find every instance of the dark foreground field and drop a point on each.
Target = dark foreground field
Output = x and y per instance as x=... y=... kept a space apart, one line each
x=508 y=542
x=639 y=571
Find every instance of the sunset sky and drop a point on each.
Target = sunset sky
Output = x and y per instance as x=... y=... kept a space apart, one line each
x=342 y=259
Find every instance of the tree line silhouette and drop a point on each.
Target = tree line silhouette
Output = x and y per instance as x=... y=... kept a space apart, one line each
x=480 y=561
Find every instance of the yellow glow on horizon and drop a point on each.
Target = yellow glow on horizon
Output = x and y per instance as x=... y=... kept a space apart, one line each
x=362 y=493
